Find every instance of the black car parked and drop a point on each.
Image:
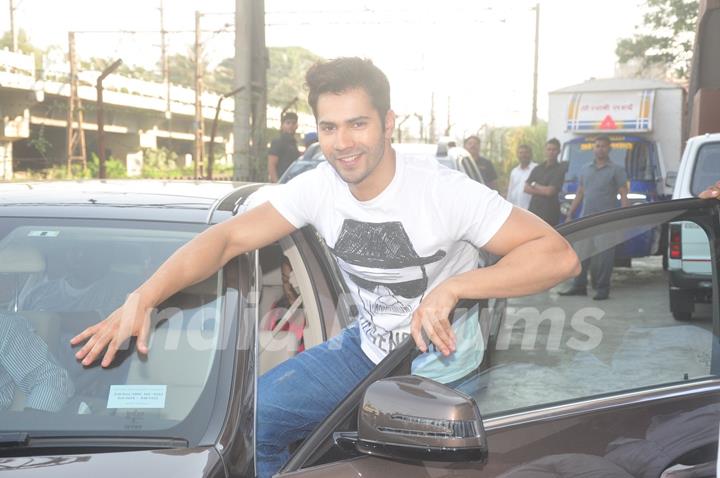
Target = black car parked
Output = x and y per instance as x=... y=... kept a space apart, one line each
x=565 y=388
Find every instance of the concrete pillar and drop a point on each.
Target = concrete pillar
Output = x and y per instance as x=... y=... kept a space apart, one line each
x=6 y=169
x=243 y=100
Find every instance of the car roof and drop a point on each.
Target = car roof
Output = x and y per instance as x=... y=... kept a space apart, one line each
x=183 y=201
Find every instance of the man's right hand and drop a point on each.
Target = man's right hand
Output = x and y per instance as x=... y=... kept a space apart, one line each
x=132 y=319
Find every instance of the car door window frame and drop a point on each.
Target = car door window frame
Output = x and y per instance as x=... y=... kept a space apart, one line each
x=703 y=212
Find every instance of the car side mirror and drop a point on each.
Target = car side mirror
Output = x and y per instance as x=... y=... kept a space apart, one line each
x=670 y=179
x=415 y=418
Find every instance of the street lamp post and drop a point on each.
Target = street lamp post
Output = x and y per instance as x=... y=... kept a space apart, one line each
x=102 y=173
x=214 y=128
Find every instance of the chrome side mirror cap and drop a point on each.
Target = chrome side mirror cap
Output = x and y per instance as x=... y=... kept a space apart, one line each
x=415 y=418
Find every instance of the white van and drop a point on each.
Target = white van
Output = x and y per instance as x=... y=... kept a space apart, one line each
x=688 y=247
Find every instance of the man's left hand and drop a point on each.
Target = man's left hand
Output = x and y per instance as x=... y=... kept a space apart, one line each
x=433 y=316
x=711 y=192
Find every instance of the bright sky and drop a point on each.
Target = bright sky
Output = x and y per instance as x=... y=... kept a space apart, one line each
x=477 y=53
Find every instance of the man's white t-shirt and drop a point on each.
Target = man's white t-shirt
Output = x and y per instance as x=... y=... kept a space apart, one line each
x=516 y=186
x=424 y=227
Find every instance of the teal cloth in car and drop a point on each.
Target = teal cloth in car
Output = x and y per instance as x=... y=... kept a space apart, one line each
x=468 y=355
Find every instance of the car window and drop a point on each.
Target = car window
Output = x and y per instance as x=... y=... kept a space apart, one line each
x=579 y=155
x=655 y=329
x=447 y=162
x=296 y=168
x=470 y=169
x=707 y=168
x=59 y=278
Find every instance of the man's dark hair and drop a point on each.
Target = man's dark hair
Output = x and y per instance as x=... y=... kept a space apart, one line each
x=342 y=74
x=554 y=141
x=603 y=138
x=289 y=115
x=472 y=136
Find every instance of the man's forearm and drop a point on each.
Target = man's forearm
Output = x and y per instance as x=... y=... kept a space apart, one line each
x=533 y=267
x=575 y=203
x=212 y=249
x=537 y=190
x=193 y=262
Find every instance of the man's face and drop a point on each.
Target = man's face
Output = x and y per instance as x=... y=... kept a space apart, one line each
x=524 y=156
x=351 y=134
x=473 y=147
x=551 y=152
x=289 y=126
x=602 y=150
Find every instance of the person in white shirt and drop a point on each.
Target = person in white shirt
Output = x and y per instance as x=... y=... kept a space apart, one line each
x=404 y=233
x=518 y=177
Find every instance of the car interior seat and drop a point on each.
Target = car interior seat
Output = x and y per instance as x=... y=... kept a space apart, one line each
x=275 y=346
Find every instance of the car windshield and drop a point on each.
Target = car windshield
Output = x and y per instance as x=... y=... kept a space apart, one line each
x=447 y=162
x=632 y=156
x=59 y=277
x=707 y=169
x=296 y=168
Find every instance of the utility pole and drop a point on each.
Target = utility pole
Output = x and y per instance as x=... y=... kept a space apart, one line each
x=533 y=120
x=199 y=147
x=213 y=130
x=75 y=137
x=431 y=133
x=258 y=80
x=422 y=127
x=102 y=172
x=449 y=124
x=165 y=66
x=13 y=32
x=243 y=78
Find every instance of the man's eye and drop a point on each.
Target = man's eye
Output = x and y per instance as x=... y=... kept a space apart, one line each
x=359 y=124
x=327 y=128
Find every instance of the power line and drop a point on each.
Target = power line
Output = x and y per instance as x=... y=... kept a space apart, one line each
x=153 y=32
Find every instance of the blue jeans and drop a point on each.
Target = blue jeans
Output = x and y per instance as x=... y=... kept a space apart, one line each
x=294 y=397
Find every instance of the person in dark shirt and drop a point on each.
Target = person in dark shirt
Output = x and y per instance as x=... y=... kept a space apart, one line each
x=544 y=184
x=472 y=144
x=283 y=149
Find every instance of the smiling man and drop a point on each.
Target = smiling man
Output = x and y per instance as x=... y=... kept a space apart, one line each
x=405 y=234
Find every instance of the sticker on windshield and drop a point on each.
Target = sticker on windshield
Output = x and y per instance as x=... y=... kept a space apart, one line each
x=137 y=396
x=43 y=233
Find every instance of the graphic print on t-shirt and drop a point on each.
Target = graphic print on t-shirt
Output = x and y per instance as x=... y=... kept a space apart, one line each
x=388 y=274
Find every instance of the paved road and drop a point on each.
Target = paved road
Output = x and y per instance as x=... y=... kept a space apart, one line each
x=554 y=348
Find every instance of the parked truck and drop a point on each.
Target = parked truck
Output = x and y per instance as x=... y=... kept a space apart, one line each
x=644 y=120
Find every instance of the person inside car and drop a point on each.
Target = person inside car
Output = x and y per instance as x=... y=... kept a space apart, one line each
x=26 y=365
x=405 y=235
x=290 y=301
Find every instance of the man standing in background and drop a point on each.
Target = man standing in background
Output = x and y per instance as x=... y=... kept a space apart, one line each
x=544 y=184
x=283 y=149
x=472 y=144
x=518 y=177
x=600 y=183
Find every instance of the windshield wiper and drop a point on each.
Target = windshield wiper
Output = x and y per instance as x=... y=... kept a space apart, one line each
x=17 y=440
x=12 y=440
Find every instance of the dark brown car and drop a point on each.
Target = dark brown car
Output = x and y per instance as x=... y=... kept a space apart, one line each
x=567 y=387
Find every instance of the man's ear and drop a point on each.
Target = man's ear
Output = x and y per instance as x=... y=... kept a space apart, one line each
x=389 y=124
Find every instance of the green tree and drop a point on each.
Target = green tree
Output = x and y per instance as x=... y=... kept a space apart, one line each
x=286 y=77
x=222 y=78
x=665 y=38
x=500 y=146
x=24 y=44
x=182 y=69
x=132 y=71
